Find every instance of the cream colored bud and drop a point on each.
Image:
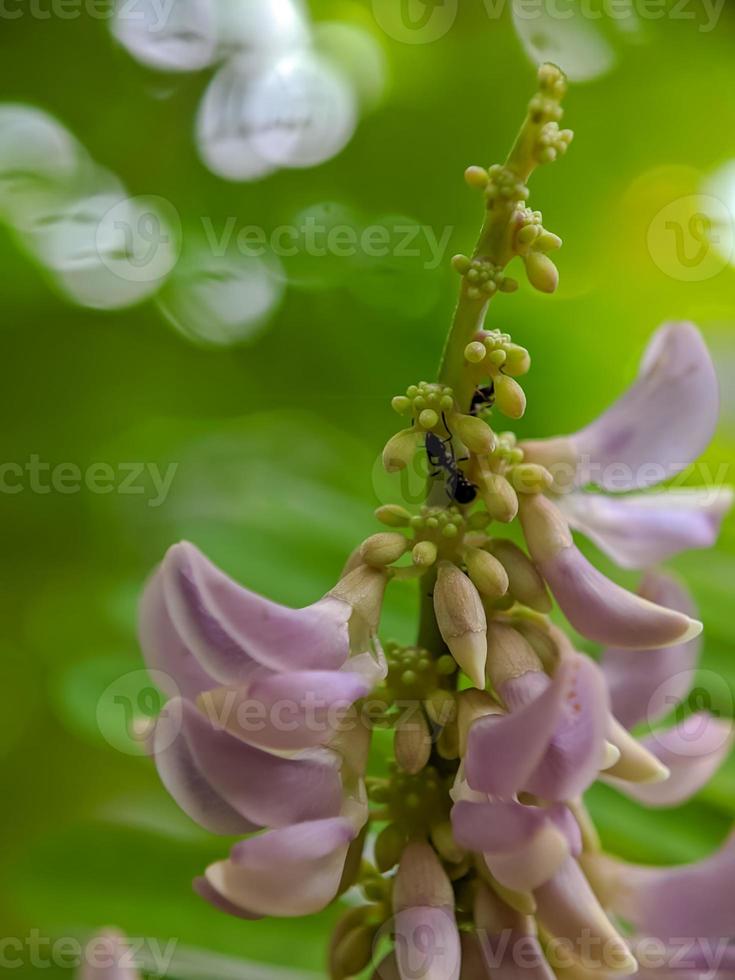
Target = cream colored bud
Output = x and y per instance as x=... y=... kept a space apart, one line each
x=353 y=919
x=510 y=655
x=401 y=404
x=499 y=497
x=443 y=840
x=493 y=916
x=363 y=589
x=447 y=745
x=393 y=515
x=421 y=880
x=424 y=553
x=474 y=433
x=486 y=572
x=541 y=271
x=549 y=242
x=544 y=527
x=384 y=548
x=475 y=352
x=531 y=478
x=541 y=642
x=388 y=847
x=461 y=619
x=412 y=742
x=517 y=362
x=510 y=398
x=399 y=450
x=526 y=584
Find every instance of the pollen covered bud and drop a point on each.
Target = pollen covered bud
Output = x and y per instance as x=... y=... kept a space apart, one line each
x=399 y=450
x=461 y=619
x=486 y=572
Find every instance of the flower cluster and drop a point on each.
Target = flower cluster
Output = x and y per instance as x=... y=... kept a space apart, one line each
x=481 y=852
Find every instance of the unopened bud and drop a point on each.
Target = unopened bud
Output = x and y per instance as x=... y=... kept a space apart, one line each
x=476 y=177
x=542 y=644
x=443 y=840
x=499 y=497
x=399 y=450
x=388 y=847
x=517 y=361
x=486 y=572
x=509 y=397
x=549 y=242
x=384 y=548
x=526 y=584
x=412 y=742
x=421 y=881
x=475 y=352
x=544 y=527
x=354 y=952
x=353 y=919
x=531 y=478
x=473 y=704
x=494 y=917
x=401 y=404
x=541 y=271
x=393 y=515
x=441 y=707
x=509 y=655
x=363 y=589
x=424 y=553
x=461 y=619
x=474 y=433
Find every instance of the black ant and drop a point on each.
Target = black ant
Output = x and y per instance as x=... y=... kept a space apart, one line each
x=483 y=399
x=441 y=456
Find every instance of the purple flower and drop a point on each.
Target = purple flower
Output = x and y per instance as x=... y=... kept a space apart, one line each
x=260 y=733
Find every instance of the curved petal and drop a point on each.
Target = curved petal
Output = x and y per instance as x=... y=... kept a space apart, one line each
x=553 y=745
x=292 y=871
x=642 y=530
x=427 y=943
x=691 y=900
x=164 y=650
x=523 y=846
x=232 y=631
x=287 y=711
x=655 y=430
x=204 y=890
x=693 y=751
x=568 y=909
x=633 y=677
x=183 y=778
x=595 y=606
x=268 y=790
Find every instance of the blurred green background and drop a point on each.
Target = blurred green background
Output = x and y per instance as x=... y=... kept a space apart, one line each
x=276 y=439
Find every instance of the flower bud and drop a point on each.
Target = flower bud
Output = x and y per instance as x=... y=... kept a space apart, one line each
x=399 y=450
x=354 y=952
x=424 y=553
x=353 y=919
x=517 y=361
x=498 y=495
x=421 y=881
x=412 y=742
x=363 y=589
x=443 y=840
x=541 y=643
x=510 y=398
x=509 y=655
x=474 y=433
x=486 y=572
x=461 y=619
x=441 y=707
x=541 y=271
x=384 y=548
x=393 y=515
x=526 y=584
x=388 y=847
x=531 y=478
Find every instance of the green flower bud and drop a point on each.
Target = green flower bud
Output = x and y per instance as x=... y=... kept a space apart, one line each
x=393 y=515
x=399 y=450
